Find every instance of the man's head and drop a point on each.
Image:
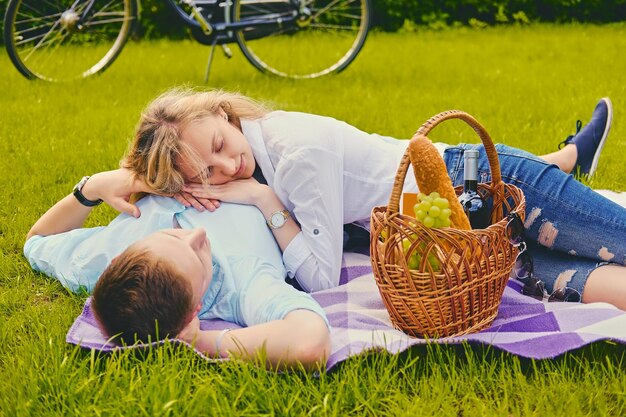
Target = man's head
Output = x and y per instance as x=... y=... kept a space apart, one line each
x=155 y=287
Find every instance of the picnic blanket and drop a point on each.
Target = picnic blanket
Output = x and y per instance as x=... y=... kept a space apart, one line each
x=360 y=322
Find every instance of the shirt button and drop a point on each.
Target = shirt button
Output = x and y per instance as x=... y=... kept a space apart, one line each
x=316 y=232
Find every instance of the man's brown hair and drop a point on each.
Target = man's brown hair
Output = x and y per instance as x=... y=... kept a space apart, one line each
x=141 y=297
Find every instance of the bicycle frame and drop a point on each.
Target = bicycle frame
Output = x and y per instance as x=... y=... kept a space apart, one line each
x=223 y=32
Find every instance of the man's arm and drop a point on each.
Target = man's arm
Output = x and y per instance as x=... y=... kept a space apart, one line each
x=114 y=187
x=302 y=337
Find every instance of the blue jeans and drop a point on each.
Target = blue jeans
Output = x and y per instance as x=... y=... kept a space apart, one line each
x=570 y=229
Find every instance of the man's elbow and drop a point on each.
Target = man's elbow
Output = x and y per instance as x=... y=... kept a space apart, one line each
x=314 y=345
x=32 y=232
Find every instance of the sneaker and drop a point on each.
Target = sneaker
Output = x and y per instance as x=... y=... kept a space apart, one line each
x=589 y=140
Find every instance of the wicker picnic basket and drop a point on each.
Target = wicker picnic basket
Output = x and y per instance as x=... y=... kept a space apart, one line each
x=458 y=284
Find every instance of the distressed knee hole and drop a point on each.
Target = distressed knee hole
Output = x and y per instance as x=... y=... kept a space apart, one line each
x=532 y=216
x=547 y=234
x=605 y=255
x=564 y=278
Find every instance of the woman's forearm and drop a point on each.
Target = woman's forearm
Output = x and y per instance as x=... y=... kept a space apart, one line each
x=67 y=214
x=113 y=187
x=269 y=204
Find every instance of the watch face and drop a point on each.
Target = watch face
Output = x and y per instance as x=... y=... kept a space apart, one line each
x=277 y=219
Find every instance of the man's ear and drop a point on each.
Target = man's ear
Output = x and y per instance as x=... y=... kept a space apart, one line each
x=194 y=313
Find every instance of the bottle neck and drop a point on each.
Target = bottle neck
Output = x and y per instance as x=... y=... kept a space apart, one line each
x=470 y=185
x=470 y=173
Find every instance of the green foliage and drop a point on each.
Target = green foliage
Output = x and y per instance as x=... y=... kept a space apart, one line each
x=391 y=14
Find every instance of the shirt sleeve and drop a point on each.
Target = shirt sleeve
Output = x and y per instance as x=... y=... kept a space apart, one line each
x=60 y=256
x=265 y=296
x=311 y=180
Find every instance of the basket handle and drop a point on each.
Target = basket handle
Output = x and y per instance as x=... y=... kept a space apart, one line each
x=429 y=125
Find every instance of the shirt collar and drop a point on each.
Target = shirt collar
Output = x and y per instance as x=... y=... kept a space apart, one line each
x=210 y=296
x=252 y=131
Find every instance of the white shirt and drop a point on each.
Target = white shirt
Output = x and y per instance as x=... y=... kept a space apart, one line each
x=327 y=173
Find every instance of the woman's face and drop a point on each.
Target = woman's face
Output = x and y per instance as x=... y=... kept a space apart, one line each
x=191 y=252
x=223 y=149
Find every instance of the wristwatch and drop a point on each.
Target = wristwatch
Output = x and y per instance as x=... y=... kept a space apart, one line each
x=278 y=219
x=77 y=191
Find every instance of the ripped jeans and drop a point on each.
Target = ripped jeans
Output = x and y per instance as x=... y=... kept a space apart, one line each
x=570 y=229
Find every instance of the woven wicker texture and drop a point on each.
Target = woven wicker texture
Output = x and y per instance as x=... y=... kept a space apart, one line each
x=458 y=283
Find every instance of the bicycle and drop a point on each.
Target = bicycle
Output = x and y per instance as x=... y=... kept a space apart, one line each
x=58 y=40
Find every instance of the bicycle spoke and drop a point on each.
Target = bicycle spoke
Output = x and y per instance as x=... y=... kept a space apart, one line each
x=19 y=33
x=92 y=23
x=347 y=15
x=52 y=17
x=50 y=4
x=323 y=9
x=42 y=39
x=104 y=8
x=328 y=26
x=35 y=11
x=103 y=13
x=250 y=2
x=44 y=46
x=60 y=37
x=38 y=46
x=34 y=38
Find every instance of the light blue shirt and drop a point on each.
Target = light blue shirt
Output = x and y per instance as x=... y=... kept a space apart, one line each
x=248 y=284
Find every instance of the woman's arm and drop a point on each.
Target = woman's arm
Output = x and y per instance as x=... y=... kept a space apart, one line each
x=113 y=187
x=302 y=337
x=312 y=253
x=250 y=191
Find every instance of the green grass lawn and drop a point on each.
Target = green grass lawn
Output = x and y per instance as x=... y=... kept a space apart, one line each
x=526 y=85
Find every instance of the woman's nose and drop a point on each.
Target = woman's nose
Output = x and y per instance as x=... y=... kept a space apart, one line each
x=228 y=166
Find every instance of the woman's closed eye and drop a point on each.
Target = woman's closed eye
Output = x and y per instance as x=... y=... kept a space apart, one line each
x=219 y=146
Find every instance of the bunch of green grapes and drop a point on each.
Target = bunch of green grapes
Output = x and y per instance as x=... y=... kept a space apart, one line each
x=416 y=259
x=432 y=210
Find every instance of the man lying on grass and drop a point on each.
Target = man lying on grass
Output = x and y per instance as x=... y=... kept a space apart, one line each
x=154 y=273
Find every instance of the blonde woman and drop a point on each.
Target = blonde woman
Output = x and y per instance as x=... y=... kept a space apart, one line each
x=209 y=147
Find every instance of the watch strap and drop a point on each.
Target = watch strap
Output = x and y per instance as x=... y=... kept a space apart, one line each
x=80 y=197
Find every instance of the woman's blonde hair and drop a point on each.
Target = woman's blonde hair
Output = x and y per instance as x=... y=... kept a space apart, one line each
x=157 y=148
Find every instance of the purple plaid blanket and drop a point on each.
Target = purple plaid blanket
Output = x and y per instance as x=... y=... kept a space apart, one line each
x=360 y=322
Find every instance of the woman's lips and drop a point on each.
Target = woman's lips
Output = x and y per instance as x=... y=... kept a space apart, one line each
x=242 y=166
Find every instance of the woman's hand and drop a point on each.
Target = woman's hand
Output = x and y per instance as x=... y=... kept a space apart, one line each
x=242 y=191
x=115 y=188
x=199 y=203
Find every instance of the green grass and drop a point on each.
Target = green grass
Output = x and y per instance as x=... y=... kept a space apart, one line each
x=526 y=85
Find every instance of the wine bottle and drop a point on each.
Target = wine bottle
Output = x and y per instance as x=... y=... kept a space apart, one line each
x=474 y=206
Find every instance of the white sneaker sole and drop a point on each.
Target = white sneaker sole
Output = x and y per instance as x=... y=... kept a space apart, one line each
x=607 y=129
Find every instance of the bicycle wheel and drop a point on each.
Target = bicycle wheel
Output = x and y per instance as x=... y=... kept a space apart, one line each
x=324 y=39
x=59 y=40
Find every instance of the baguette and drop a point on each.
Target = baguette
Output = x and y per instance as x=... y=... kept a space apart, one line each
x=431 y=175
